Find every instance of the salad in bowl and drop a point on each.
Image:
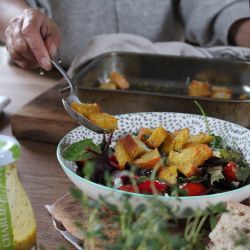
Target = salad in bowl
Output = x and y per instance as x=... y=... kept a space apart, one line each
x=201 y=160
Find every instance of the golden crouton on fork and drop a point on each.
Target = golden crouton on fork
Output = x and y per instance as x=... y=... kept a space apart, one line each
x=104 y=120
x=86 y=109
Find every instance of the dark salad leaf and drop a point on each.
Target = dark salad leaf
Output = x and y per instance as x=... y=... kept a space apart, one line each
x=183 y=179
x=101 y=165
x=214 y=162
x=81 y=150
x=93 y=160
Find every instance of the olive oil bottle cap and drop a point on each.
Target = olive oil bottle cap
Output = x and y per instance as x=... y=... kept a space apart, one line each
x=9 y=150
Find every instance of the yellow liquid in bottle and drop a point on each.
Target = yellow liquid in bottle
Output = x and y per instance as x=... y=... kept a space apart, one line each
x=17 y=221
x=22 y=217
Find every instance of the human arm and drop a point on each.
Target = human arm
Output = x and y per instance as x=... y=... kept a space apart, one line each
x=239 y=33
x=30 y=36
x=210 y=22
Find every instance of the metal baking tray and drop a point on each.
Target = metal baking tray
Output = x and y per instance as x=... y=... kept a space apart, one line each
x=159 y=83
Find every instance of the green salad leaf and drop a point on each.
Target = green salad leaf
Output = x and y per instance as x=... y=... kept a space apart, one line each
x=81 y=150
x=215 y=174
x=217 y=142
x=176 y=191
x=230 y=155
x=244 y=175
x=194 y=178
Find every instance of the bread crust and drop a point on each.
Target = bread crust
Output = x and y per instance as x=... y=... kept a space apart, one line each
x=200 y=138
x=134 y=147
x=157 y=137
x=86 y=109
x=189 y=159
x=168 y=174
x=168 y=144
x=104 y=120
x=230 y=227
x=148 y=160
x=198 y=88
x=119 y=80
x=144 y=134
x=181 y=137
x=121 y=155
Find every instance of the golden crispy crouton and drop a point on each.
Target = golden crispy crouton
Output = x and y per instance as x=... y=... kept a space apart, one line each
x=119 y=80
x=222 y=95
x=168 y=144
x=86 y=109
x=189 y=159
x=157 y=137
x=144 y=133
x=121 y=155
x=168 y=174
x=244 y=96
x=104 y=120
x=134 y=147
x=148 y=160
x=221 y=89
x=198 y=88
x=107 y=86
x=200 y=138
x=180 y=138
x=190 y=145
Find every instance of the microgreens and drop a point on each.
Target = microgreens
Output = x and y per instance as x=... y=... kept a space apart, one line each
x=151 y=225
x=204 y=117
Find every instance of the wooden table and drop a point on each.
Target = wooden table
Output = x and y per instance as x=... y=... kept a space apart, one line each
x=39 y=171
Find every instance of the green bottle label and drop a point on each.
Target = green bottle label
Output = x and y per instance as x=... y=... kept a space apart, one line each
x=6 y=234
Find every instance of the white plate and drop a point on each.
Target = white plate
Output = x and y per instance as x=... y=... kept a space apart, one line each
x=131 y=123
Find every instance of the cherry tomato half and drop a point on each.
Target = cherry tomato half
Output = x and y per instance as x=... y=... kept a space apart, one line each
x=230 y=171
x=194 y=189
x=127 y=188
x=145 y=187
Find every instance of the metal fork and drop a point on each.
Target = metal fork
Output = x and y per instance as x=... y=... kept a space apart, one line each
x=74 y=98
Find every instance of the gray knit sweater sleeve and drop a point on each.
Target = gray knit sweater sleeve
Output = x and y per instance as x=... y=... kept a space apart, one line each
x=207 y=22
x=43 y=6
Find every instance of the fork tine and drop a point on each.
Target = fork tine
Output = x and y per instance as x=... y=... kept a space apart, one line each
x=72 y=98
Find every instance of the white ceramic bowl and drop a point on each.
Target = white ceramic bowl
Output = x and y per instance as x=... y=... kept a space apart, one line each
x=130 y=123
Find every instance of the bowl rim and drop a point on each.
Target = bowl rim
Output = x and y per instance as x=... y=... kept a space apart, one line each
x=138 y=195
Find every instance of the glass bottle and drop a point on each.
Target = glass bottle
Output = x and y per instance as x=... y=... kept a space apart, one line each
x=17 y=221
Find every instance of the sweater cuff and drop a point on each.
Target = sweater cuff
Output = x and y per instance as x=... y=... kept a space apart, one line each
x=232 y=13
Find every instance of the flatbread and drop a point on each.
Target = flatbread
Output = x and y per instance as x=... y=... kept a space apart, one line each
x=229 y=227
x=67 y=212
